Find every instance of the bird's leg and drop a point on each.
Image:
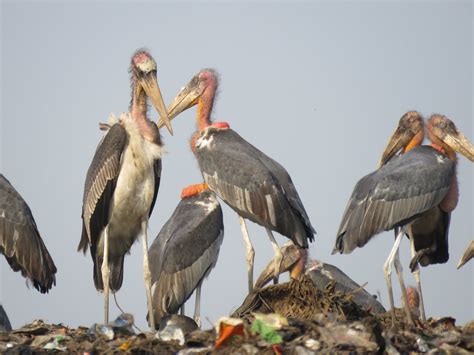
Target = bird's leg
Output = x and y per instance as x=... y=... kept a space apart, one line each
x=147 y=274
x=105 y=269
x=398 y=268
x=416 y=273
x=181 y=312
x=387 y=267
x=197 y=306
x=278 y=255
x=250 y=252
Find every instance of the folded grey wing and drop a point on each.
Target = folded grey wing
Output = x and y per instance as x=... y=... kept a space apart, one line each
x=100 y=185
x=392 y=196
x=185 y=251
x=21 y=242
x=157 y=171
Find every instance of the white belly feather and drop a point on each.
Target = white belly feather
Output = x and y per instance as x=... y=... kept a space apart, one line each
x=135 y=188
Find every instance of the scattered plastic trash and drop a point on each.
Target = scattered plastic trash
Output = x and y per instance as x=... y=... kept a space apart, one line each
x=227 y=328
x=266 y=325
x=368 y=334
x=312 y=344
x=422 y=345
x=274 y=320
x=101 y=329
x=171 y=333
x=122 y=324
x=56 y=344
x=125 y=346
x=185 y=323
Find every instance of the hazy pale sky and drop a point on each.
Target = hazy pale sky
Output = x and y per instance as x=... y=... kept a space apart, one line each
x=318 y=86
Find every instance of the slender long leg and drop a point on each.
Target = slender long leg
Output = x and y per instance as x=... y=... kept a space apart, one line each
x=416 y=274
x=398 y=268
x=147 y=274
x=197 y=306
x=250 y=252
x=387 y=267
x=105 y=269
x=278 y=255
x=182 y=312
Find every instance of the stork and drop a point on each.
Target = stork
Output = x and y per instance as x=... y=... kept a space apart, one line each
x=402 y=191
x=428 y=232
x=185 y=251
x=122 y=184
x=21 y=242
x=322 y=274
x=251 y=183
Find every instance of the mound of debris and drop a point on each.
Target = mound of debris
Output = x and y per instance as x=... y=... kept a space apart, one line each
x=303 y=321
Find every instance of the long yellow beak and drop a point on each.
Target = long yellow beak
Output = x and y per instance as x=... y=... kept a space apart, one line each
x=150 y=85
x=186 y=98
x=460 y=144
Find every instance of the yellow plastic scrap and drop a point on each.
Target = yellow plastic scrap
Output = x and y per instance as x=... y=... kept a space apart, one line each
x=125 y=346
x=273 y=320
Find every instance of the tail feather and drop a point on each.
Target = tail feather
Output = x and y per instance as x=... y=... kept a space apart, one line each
x=116 y=273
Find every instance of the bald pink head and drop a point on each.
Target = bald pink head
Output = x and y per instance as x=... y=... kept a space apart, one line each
x=142 y=63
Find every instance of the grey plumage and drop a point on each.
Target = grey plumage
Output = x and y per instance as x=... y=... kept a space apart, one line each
x=100 y=185
x=322 y=274
x=254 y=185
x=394 y=195
x=101 y=180
x=185 y=251
x=5 y=325
x=430 y=233
x=21 y=242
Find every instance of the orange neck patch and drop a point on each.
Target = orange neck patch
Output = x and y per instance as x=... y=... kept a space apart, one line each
x=415 y=142
x=223 y=125
x=193 y=190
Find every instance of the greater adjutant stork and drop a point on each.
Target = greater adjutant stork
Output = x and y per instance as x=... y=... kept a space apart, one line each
x=251 y=183
x=322 y=274
x=21 y=242
x=402 y=192
x=122 y=184
x=185 y=251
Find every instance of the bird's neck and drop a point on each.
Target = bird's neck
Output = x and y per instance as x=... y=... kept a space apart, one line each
x=300 y=266
x=203 y=114
x=139 y=111
x=193 y=140
x=415 y=142
x=205 y=105
x=441 y=147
